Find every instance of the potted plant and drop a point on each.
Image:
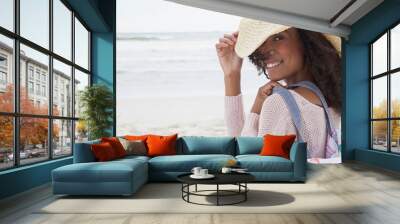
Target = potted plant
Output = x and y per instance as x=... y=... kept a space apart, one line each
x=97 y=103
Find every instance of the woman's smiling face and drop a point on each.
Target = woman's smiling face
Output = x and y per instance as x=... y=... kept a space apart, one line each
x=282 y=55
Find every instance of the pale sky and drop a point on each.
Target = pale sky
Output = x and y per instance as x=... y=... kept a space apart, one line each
x=142 y=16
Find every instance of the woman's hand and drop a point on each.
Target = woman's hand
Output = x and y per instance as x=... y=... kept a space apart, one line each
x=263 y=92
x=266 y=90
x=230 y=62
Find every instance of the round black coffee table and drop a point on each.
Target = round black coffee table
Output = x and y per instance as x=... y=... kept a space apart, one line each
x=238 y=179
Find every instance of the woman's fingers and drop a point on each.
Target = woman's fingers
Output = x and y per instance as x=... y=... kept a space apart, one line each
x=266 y=89
x=230 y=37
x=273 y=83
x=269 y=91
x=221 y=45
x=266 y=93
x=226 y=40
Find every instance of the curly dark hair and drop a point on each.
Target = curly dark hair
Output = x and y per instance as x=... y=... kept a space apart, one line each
x=322 y=61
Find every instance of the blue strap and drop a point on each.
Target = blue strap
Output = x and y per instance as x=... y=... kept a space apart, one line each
x=311 y=86
x=293 y=109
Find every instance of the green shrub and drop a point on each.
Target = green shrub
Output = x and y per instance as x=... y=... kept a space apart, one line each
x=97 y=104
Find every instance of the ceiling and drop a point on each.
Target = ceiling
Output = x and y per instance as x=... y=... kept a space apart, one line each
x=327 y=16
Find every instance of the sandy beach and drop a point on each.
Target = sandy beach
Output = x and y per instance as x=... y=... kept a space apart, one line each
x=172 y=83
x=195 y=115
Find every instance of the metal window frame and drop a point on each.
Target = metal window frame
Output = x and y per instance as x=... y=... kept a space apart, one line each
x=388 y=74
x=16 y=114
x=76 y=17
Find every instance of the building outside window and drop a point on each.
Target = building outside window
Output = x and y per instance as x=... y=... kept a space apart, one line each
x=385 y=91
x=38 y=89
x=43 y=77
x=37 y=75
x=3 y=81
x=34 y=75
x=3 y=61
x=3 y=72
x=30 y=72
x=55 y=98
x=43 y=90
x=3 y=78
x=30 y=87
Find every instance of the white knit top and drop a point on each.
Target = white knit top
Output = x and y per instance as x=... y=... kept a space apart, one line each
x=275 y=119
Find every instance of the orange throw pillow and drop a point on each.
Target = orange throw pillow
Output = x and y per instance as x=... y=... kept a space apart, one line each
x=136 y=137
x=277 y=145
x=161 y=145
x=116 y=145
x=103 y=151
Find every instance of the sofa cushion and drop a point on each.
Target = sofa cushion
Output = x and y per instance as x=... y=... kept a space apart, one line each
x=103 y=151
x=197 y=145
x=249 y=145
x=277 y=145
x=132 y=158
x=134 y=147
x=185 y=163
x=159 y=145
x=116 y=145
x=111 y=171
x=137 y=137
x=257 y=163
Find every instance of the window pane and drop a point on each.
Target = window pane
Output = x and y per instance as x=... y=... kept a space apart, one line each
x=34 y=72
x=81 y=81
x=81 y=45
x=379 y=135
x=395 y=129
x=33 y=139
x=81 y=131
x=35 y=21
x=379 y=97
x=379 y=55
x=6 y=75
x=62 y=29
x=7 y=14
x=62 y=89
x=6 y=142
x=395 y=47
x=395 y=94
x=62 y=137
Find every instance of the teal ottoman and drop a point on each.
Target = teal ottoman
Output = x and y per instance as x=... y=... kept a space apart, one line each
x=118 y=177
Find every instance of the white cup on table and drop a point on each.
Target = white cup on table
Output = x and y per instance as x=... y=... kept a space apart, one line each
x=203 y=172
x=196 y=171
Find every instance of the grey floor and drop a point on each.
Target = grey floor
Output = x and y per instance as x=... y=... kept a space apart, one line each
x=378 y=188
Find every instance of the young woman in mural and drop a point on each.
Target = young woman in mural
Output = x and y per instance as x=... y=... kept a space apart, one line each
x=286 y=55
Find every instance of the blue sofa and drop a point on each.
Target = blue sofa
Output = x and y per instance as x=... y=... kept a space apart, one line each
x=126 y=175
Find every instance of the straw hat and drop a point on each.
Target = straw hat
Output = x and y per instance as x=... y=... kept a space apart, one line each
x=253 y=33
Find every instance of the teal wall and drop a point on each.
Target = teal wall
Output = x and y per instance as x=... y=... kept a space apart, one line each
x=355 y=120
x=24 y=178
x=100 y=17
x=104 y=53
x=103 y=64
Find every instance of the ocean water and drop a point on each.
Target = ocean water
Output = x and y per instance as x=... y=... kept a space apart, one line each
x=170 y=81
